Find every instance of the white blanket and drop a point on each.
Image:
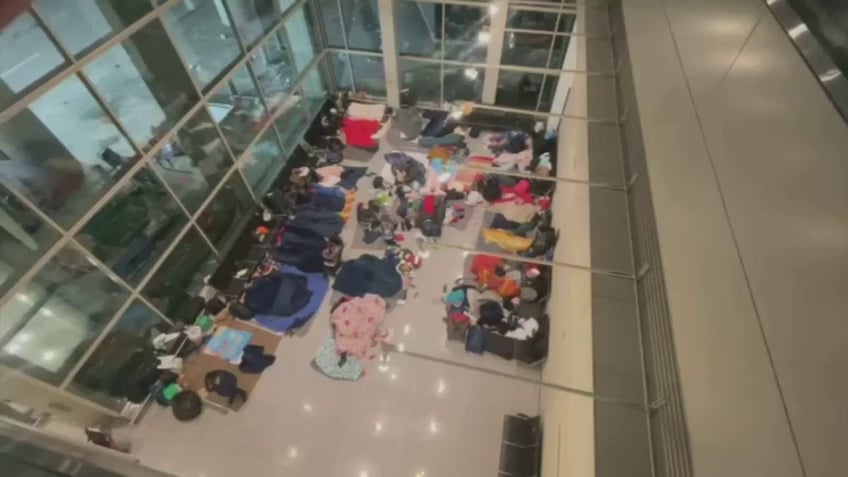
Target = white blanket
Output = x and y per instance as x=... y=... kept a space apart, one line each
x=366 y=111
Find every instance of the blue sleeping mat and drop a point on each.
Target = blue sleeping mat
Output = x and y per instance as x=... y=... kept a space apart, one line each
x=317 y=283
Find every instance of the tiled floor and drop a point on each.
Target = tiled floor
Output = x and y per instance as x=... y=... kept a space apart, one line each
x=431 y=410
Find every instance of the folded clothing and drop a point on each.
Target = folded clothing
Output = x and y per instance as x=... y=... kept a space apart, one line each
x=322 y=222
x=451 y=139
x=516 y=211
x=506 y=240
x=254 y=359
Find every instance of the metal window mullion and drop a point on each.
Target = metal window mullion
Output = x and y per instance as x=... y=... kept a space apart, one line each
x=558 y=33
x=548 y=64
x=244 y=48
x=79 y=63
x=346 y=46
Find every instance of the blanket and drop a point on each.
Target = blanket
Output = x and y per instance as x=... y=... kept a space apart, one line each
x=328 y=362
x=317 y=284
x=300 y=247
x=368 y=274
x=227 y=343
x=373 y=112
x=322 y=222
x=278 y=293
x=357 y=324
x=358 y=132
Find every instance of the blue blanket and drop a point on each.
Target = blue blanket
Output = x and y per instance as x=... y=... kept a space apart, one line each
x=317 y=283
x=368 y=274
x=302 y=248
x=277 y=294
x=331 y=199
x=351 y=175
x=322 y=222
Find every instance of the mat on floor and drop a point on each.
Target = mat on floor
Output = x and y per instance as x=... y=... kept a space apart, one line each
x=357 y=154
x=198 y=365
x=398 y=143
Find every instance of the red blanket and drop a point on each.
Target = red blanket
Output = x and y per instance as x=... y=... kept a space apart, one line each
x=358 y=132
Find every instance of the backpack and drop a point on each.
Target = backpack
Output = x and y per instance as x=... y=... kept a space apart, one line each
x=544 y=240
x=475 y=341
x=431 y=228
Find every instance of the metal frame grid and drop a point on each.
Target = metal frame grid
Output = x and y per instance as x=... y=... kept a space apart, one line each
x=74 y=66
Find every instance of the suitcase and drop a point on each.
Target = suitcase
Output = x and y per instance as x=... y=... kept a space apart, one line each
x=475 y=342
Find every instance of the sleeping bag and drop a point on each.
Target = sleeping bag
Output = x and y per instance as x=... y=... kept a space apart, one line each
x=322 y=222
x=277 y=294
x=368 y=274
x=300 y=247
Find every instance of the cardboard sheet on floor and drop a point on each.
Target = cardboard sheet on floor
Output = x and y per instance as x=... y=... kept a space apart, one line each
x=199 y=364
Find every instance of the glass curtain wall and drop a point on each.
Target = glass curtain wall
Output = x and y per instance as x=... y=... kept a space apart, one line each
x=443 y=50
x=126 y=161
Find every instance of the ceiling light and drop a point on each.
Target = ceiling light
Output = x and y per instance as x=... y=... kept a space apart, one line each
x=23 y=337
x=292 y=452
x=440 y=389
x=23 y=298
x=401 y=348
x=382 y=368
x=307 y=407
x=46 y=312
x=13 y=348
x=434 y=427
x=48 y=355
x=378 y=426
x=406 y=329
x=472 y=74
x=493 y=9
x=393 y=377
x=483 y=37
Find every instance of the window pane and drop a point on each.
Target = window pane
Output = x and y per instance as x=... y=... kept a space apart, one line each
x=547 y=96
x=206 y=41
x=424 y=80
x=285 y=4
x=291 y=123
x=274 y=69
x=24 y=237
x=63 y=152
x=83 y=24
x=463 y=83
x=466 y=33
x=230 y=204
x=238 y=109
x=332 y=19
x=194 y=161
x=144 y=83
x=526 y=49
x=419 y=28
x=53 y=319
x=362 y=22
x=104 y=377
x=261 y=161
x=369 y=75
x=253 y=18
x=558 y=52
x=518 y=90
x=531 y=20
x=566 y=23
x=314 y=91
x=181 y=275
x=301 y=34
x=133 y=229
x=341 y=71
x=20 y=43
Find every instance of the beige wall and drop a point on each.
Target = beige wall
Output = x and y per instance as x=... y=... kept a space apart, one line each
x=748 y=164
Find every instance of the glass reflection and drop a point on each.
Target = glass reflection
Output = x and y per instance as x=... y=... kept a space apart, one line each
x=230 y=204
x=205 y=39
x=81 y=25
x=463 y=83
x=315 y=91
x=193 y=161
x=300 y=29
x=531 y=20
x=261 y=160
x=419 y=28
x=133 y=229
x=331 y=18
x=181 y=275
x=526 y=49
x=424 y=80
x=62 y=152
x=24 y=237
x=110 y=376
x=238 y=109
x=274 y=69
x=369 y=74
x=53 y=319
x=466 y=33
x=144 y=83
x=362 y=21
x=518 y=89
x=292 y=122
x=253 y=18
x=341 y=70
x=20 y=42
